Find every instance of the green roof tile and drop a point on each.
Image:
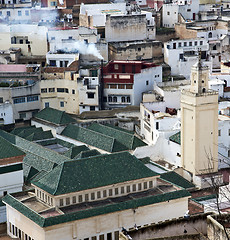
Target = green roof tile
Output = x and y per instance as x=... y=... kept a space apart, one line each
x=86 y=154
x=176 y=138
x=8 y=150
x=93 y=172
x=126 y=139
x=92 y=138
x=176 y=179
x=74 y=151
x=54 y=116
x=114 y=207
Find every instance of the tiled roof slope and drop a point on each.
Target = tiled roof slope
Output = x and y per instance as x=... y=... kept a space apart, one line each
x=8 y=150
x=48 y=142
x=28 y=131
x=7 y=136
x=74 y=151
x=176 y=138
x=93 y=172
x=86 y=154
x=93 y=138
x=16 y=131
x=54 y=116
x=91 y=212
x=176 y=179
x=127 y=139
x=40 y=136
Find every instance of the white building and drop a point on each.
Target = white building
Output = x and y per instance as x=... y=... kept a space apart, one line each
x=181 y=55
x=125 y=81
x=88 y=90
x=6 y=113
x=61 y=58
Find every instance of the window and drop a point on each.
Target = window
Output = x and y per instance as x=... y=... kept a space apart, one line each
x=195 y=43
x=80 y=198
x=114 y=99
x=121 y=86
x=110 y=99
x=61 y=202
x=122 y=99
x=139 y=49
x=47 y=104
x=129 y=86
x=128 y=189
x=53 y=63
x=90 y=95
x=139 y=186
x=128 y=99
x=134 y=187
x=98 y=194
x=22 y=115
x=51 y=89
x=27 y=13
x=150 y=184
x=190 y=44
x=122 y=190
x=74 y=199
x=110 y=192
x=19 y=13
x=92 y=108
x=157 y=125
x=52 y=38
x=0 y=13
x=92 y=196
x=44 y=90
x=86 y=197
x=60 y=90
x=73 y=91
x=53 y=3
x=32 y=98
x=145 y=185
x=4 y=193
x=116 y=66
x=8 y=13
x=188 y=10
x=179 y=44
x=168 y=13
x=133 y=69
x=21 y=41
x=116 y=191
x=19 y=100
x=1 y=99
x=219 y=133
x=67 y=200
x=147 y=83
x=123 y=68
x=104 y=193
x=228 y=153
x=185 y=44
x=201 y=42
x=210 y=35
x=61 y=104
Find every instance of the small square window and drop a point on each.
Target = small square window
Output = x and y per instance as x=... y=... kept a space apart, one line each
x=80 y=198
x=74 y=199
x=110 y=192
x=104 y=193
x=61 y=104
x=61 y=202
x=128 y=189
x=86 y=197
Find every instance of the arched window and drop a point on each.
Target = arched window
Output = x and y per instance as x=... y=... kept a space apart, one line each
x=128 y=99
x=122 y=99
x=114 y=99
x=110 y=99
x=214 y=47
x=210 y=35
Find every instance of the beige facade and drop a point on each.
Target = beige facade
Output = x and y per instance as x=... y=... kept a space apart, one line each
x=105 y=226
x=199 y=124
x=30 y=38
x=59 y=91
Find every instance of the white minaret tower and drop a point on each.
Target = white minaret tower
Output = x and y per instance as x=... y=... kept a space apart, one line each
x=199 y=124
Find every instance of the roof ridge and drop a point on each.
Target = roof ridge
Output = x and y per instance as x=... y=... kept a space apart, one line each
x=62 y=116
x=115 y=129
x=59 y=177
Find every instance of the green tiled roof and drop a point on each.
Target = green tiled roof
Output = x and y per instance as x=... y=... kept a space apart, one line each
x=92 y=138
x=91 y=212
x=126 y=139
x=39 y=136
x=204 y=198
x=86 y=154
x=145 y=160
x=32 y=172
x=109 y=140
x=176 y=179
x=11 y=168
x=8 y=150
x=1 y=203
x=54 y=116
x=176 y=138
x=55 y=141
x=74 y=151
x=28 y=131
x=16 y=131
x=7 y=136
x=93 y=172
